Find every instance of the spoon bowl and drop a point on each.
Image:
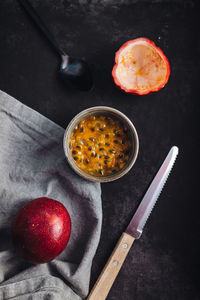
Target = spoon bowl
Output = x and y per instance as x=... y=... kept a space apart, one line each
x=76 y=73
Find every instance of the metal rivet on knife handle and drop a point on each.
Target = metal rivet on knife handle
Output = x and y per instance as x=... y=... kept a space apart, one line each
x=115 y=263
x=133 y=231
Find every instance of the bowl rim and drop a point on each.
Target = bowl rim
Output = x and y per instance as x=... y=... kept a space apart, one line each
x=92 y=110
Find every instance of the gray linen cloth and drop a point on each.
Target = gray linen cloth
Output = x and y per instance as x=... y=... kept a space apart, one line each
x=32 y=164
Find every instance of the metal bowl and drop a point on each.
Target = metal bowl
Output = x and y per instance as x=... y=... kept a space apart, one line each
x=105 y=110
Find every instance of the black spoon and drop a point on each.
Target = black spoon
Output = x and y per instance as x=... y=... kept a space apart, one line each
x=74 y=71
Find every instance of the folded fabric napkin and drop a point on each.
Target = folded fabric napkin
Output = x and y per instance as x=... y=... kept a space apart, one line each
x=32 y=165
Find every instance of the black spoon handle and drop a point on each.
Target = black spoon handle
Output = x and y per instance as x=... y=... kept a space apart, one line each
x=31 y=11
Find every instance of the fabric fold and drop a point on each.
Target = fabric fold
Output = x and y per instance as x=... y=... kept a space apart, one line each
x=32 y=165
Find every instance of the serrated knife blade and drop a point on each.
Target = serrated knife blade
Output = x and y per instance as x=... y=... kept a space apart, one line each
x=139 y=219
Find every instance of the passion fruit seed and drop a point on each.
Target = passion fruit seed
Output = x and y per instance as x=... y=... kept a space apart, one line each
x=112 y=151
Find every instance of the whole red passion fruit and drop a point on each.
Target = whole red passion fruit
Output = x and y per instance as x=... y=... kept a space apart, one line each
x=41 y=230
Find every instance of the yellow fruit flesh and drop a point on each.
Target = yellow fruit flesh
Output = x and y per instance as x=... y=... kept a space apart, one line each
x=100 y=145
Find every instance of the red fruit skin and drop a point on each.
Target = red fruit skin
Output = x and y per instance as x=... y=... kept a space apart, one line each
x=134 y=91
x=41 y=230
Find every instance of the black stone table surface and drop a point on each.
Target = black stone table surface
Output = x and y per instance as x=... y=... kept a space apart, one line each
x=164 y=263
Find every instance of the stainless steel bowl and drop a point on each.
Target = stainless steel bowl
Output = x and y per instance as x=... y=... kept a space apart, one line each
x=108 y=111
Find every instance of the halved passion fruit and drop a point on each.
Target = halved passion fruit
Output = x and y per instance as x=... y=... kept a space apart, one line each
x=140 y=67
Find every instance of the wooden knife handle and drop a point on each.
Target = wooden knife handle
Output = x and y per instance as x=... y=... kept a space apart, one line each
x=112 y=268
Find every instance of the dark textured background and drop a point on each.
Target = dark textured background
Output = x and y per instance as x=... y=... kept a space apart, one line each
x=164 y=263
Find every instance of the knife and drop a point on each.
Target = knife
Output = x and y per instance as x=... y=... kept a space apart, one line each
x=133 y=231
